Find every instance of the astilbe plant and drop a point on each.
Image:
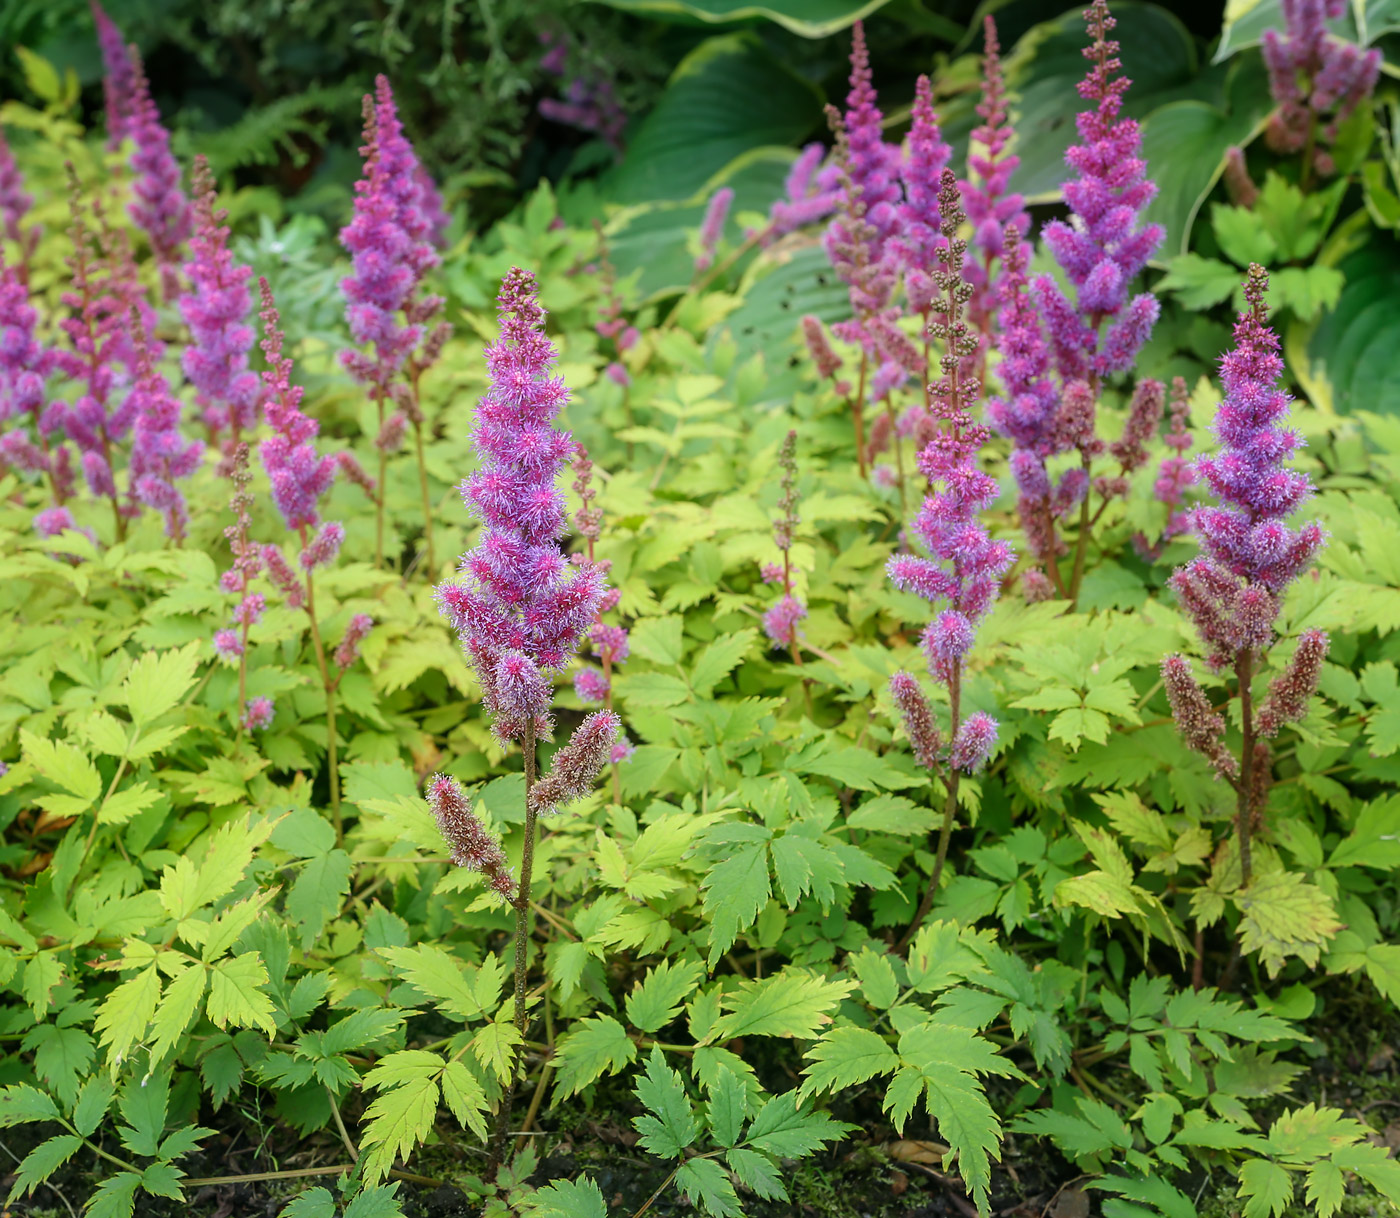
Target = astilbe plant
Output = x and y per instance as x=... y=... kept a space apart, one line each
x=520 y=607
x=391 y=242
x=15 y=203
x=712 y=227
x=1233 y=592
x=232 y=642
x=987 y=198
x=1317 y=81
x=300 y=478
x=780 y=622
x=160 y=206
x=216 y=309
x=964 y=566
x=161 y=456
x=118 y=78
x=609 y=642
x=26 y=365
x=1101 y=249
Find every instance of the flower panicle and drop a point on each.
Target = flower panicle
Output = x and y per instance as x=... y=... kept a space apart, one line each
x=576 y=766
x=712 y=226
x=472 y=845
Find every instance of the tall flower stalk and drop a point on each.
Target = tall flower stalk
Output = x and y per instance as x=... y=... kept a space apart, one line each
x=300 y=477
x=1234 y=591
x=390 y=240
x=520 y=607
x=216 y=309
x=963 y=568
x=232 y=642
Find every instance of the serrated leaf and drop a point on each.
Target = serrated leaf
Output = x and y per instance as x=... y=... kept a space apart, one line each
x=20 y=1103
x=719 y=659
x=438 y=974
x=178 y=1006
x=757 y=1173
x=566 y=1199
x=658 y=997
x=396 y=1121
x=728 y=1107
x=1284 y=915
x=158 y=680
x=736 y=890
x=236 y=994
x=125 y=1014
x=844 y=1057
x=791 y=1003
x=668 y=1125
x=705 y=1184
x=1265 y=1187
x=785 y=1130
x=41 y=1162
x=115 y=1197
x=464 y=1096
x=598 y=1045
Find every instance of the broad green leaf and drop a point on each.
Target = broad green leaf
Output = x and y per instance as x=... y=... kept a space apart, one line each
x=668 y=1125
x=786 y=1131
x=20 y=1103
x=1265 y=1187
x=158 y=680
x=736 y=890
x=125 y=1014
x=566 y=1199
x=728 y=1106
x=705 y=1184
x=844 y=1057
x=438 y=974
x=397 y=1120
x=658 y=997
x=464 y=1096
x=237 y=996
x=809 y=18
x=598 y=1045
x=791 y=1003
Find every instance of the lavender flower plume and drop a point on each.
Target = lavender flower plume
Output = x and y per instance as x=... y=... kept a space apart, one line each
x=964 y=566
x=873 y=164
x=1246 y=535
x=25 y=367
x=519 y=598
x=1287 y=699
x=389 y=241
x=119 y=76
x=919 y=725
x=216 y=309
x=576 y=766
x=1105 y=244
x=472 y=845
x=299 y=476
x=712 y=226
x=15 y=203
x=990 y=204
x=160 y=456
x=257 y=716
x=1201 y=726
x=1316 y=80
x=160 y=207
x=348 y=649
x=918 y=236
x=806 y=197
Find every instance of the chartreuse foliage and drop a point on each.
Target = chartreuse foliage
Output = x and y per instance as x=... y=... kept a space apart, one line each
x=185 y=946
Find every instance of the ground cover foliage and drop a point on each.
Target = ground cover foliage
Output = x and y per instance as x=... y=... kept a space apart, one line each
x=1098 y=886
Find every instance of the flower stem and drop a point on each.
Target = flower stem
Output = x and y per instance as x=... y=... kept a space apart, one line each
x=858 y=416
x=524 y=919
x=1244 y=816
x=329 y=686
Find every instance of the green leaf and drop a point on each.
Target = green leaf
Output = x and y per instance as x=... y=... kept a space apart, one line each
x=566 y=1199
x=158 y=680
x=1242 y=238
x=668 y=1125
x=398 y=1119
x=757 y=1173
x=705 y=1184
x=659 y=639
x=736 y=890
x=786 y=1131
x=439 y=975
x=878 y=985
x=790 y=1003
x=317 y=893
x=93 y=1101
x=1375 y=838
x=143 y=1103
x=126 y=1012
x=313 y=1203
x=728 y=1106
x=178 y=1006
x=844 y=1057
x=657 y=998
x=598 y=1045
x=728 y=96
x=464 y=1096
x=858 y=768
x=809 y=18
x=1266 y=1188
x=41 y=1162
x=236 y=994
x=377 y=1201
x=719 y=659
x=39 y=74
x=1284 y=915
x=115 y=1197
x=1325 y=1189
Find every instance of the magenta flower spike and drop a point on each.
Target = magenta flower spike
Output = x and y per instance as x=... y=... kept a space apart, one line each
x=160 y=207
x=299 y=475
x=15 y=203
x=119 y=76
x=390 y=241
x=26 y=365
x=806 y=199
x=1233 y=592
x=1105 y=245
x=987 y=198
x=160 y=455
x=216 y=309
x=919 y=238
x=961 y=572
x=873 y=165
x=520 y=608
x=1316 y=79
x=712 y=226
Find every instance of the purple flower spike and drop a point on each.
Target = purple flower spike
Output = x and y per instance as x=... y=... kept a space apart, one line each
x=348 y=649
x=299 y=476
x=15 y=203
x=390 y=243
x=472 y=845
x=258 y=715
x=919 y=238
x=1105 y=245
x=160 y=455
x=160 y=207
x=119 y=79
x=518 y=594
x=874 y=164
x=807 y=198
x=964 y=566
x=712 y=227
x=216 y=310
x=1317 y=80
